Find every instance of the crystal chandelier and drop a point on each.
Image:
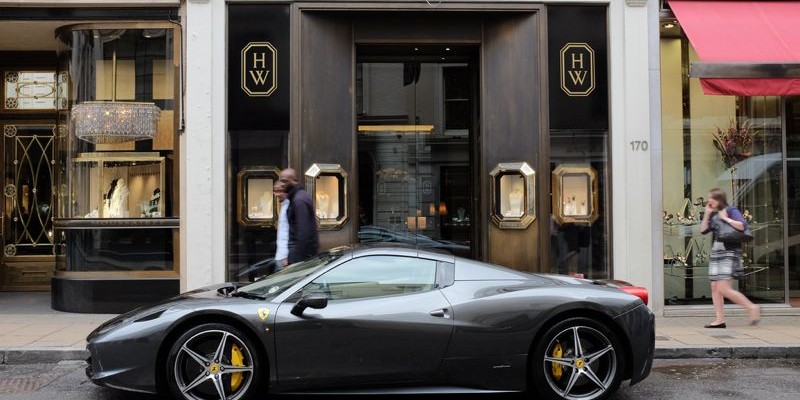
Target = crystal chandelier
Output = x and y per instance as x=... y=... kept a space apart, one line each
x=108 y=122
x=103 y=122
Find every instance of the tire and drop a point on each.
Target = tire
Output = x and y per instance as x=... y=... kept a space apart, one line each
x=591 y=371
x=214 y=358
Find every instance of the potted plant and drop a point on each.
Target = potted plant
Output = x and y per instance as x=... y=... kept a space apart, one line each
x=734 y=145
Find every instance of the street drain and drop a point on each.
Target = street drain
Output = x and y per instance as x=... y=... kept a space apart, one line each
x=21 y=385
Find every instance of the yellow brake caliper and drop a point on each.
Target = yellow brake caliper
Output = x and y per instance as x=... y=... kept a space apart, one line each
x=557 y=369
x=237 y=360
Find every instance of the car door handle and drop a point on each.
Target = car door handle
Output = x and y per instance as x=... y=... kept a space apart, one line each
x=441 y=313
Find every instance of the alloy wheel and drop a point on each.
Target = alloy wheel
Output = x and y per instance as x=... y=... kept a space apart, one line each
x=213 y=364
x=580 y=363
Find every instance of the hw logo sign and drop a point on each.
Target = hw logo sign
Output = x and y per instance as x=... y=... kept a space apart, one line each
x=259 y=69
x=577 y=69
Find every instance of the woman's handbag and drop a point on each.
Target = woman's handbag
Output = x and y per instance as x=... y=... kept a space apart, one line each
x=726 y=233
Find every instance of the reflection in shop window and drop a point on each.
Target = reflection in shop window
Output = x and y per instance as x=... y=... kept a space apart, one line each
x=414 y=153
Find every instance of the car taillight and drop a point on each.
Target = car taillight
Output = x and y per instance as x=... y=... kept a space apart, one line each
x=638 y=291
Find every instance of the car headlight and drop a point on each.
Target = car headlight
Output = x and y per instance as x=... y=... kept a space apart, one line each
x=146 y=314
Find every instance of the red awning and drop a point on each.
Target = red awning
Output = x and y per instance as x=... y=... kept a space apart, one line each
x=743 y=31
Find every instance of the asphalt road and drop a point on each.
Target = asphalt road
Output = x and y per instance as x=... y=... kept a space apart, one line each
x=670 y=379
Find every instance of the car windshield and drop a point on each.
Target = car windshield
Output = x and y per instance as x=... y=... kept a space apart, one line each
x=276 y=283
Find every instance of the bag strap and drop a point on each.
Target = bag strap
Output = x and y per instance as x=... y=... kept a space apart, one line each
x=738 y=216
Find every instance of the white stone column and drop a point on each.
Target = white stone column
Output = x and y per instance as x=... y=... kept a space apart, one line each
x=656 y=160
x=631 y=164
x=202 y=152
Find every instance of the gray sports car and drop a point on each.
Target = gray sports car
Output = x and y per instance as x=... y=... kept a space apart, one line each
x=382 y=319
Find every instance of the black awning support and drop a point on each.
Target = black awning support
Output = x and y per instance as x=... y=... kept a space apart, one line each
x=701 y=69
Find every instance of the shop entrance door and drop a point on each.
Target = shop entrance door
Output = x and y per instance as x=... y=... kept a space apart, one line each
x=416 y=129
x=27 y=210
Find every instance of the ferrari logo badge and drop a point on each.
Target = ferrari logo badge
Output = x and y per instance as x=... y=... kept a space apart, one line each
x=263 y=313
x=580 y=363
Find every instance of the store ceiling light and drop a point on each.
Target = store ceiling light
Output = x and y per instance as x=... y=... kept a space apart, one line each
x=103 y=122
x=107 y=122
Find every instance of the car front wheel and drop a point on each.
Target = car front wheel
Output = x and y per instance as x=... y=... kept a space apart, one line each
x=213 y=361
x=577 y=359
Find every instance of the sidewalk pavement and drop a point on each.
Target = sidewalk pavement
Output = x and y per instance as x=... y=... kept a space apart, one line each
x=31 y=332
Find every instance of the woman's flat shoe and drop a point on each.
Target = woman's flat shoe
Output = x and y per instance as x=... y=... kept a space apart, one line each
x=722 y=325
x=754 y=321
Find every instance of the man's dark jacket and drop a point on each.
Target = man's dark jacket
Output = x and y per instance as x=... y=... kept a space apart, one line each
x=303 y=236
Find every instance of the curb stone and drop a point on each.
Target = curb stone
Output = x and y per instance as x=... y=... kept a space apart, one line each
x=36 y=356
x=774 y=352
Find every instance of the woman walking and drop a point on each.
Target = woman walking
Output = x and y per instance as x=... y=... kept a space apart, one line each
x=726 y=258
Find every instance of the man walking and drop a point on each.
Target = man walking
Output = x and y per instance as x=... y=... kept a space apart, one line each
x=303 y=235
x=282 y=239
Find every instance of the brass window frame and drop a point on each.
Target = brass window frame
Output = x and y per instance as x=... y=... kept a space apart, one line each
x=559 y=214
x=314 y=172
x=528 y=200
x=243 y=196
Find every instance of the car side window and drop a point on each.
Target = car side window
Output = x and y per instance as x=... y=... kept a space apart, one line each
x=374 y=276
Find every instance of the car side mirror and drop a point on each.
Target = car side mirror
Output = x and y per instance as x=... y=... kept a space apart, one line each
x=312 y=300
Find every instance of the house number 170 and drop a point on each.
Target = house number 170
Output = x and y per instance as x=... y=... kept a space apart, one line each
x=639 y=145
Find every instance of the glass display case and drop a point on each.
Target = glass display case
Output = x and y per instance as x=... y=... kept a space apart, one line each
x=513 y=195
x=575 y=194
x=327 y=185
x=116 y=233
x=256 y=205
x=117 y=185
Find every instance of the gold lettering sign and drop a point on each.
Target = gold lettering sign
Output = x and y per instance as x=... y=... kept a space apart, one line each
x=259 y=69
x=577 y=69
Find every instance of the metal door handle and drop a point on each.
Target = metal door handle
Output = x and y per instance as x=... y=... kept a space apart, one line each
x=441 y=313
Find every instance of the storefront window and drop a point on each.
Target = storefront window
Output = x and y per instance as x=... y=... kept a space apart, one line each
x=415 y=123
x=115 y=152
x=730 y=142
x=578 y=228
x=259 y=155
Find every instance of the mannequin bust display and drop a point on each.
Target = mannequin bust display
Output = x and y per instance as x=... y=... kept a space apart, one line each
x=118 y=205
x=154 y=200
x=152 y=207
x=265 y=205
x=515 y=203
x=107 y=199
x=323 y=202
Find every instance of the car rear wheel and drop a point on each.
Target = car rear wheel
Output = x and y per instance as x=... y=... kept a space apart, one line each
x=577 y=359
x=213 y=361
